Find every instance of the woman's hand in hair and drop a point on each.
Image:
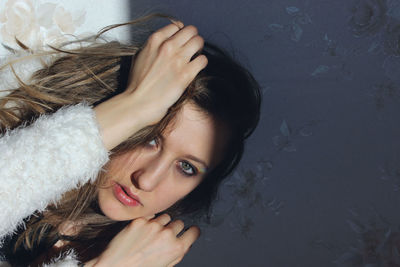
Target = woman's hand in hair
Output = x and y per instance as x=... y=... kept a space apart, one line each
x=152 y=243
x=159 y=75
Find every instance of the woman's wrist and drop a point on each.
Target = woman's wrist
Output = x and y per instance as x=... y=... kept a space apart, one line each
x=118 y=119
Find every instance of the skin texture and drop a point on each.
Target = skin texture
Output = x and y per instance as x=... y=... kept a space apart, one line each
x=161 y=73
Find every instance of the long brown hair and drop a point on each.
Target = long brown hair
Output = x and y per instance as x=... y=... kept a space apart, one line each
x=93 y=73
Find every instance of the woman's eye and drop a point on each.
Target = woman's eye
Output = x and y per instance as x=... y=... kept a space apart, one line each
x=152 y=142
x=187 y=168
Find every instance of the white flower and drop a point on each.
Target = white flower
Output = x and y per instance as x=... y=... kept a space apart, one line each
x=37 y=24
x=19 y=22
x=64 y=20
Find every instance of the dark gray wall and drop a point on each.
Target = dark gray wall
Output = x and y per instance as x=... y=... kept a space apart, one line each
x=319 y=183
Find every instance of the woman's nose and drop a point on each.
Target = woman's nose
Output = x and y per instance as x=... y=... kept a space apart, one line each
x=148 y=177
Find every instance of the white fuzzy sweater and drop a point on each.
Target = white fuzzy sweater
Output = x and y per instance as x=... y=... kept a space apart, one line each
x=40 y=162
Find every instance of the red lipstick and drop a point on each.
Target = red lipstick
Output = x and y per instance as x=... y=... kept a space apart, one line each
x=125 y=196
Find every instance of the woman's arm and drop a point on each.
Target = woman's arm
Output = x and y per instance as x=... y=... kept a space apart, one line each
x=160 y=74
x=40 y=162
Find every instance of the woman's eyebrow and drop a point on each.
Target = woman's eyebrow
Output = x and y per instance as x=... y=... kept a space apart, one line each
x=189 y=156
x=197 y=160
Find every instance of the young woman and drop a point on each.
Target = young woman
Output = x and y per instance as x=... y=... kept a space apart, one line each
x=174 y=121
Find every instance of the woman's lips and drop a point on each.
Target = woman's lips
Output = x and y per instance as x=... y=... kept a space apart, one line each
x=125 y=196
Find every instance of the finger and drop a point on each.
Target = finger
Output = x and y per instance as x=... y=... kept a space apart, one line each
x=183 y=36
x=189 y=236
x=194 y=45
x=163 y=219
x=178 y=23
x=176 y=226
x=170 y=29
x=150 y=217
x=158 y=37
x=178 y=260
x=195 y=66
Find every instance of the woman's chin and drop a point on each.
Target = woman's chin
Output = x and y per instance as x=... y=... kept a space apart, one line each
x=115 y=210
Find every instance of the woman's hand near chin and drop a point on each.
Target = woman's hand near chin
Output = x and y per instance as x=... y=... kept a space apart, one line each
x=152 y=243
x=160 y=74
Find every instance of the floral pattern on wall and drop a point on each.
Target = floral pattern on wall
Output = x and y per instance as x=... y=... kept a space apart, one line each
x=38 y=23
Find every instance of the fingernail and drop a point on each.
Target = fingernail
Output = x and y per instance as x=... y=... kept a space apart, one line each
x=179 y=23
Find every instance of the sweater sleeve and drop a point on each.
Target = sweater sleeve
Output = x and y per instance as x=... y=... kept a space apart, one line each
x=66 y=260
x=40 y=162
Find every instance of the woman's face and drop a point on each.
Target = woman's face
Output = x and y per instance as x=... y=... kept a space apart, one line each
x=152 y=178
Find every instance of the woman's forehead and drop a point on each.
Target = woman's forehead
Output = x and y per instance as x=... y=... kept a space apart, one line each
x=195 y=132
